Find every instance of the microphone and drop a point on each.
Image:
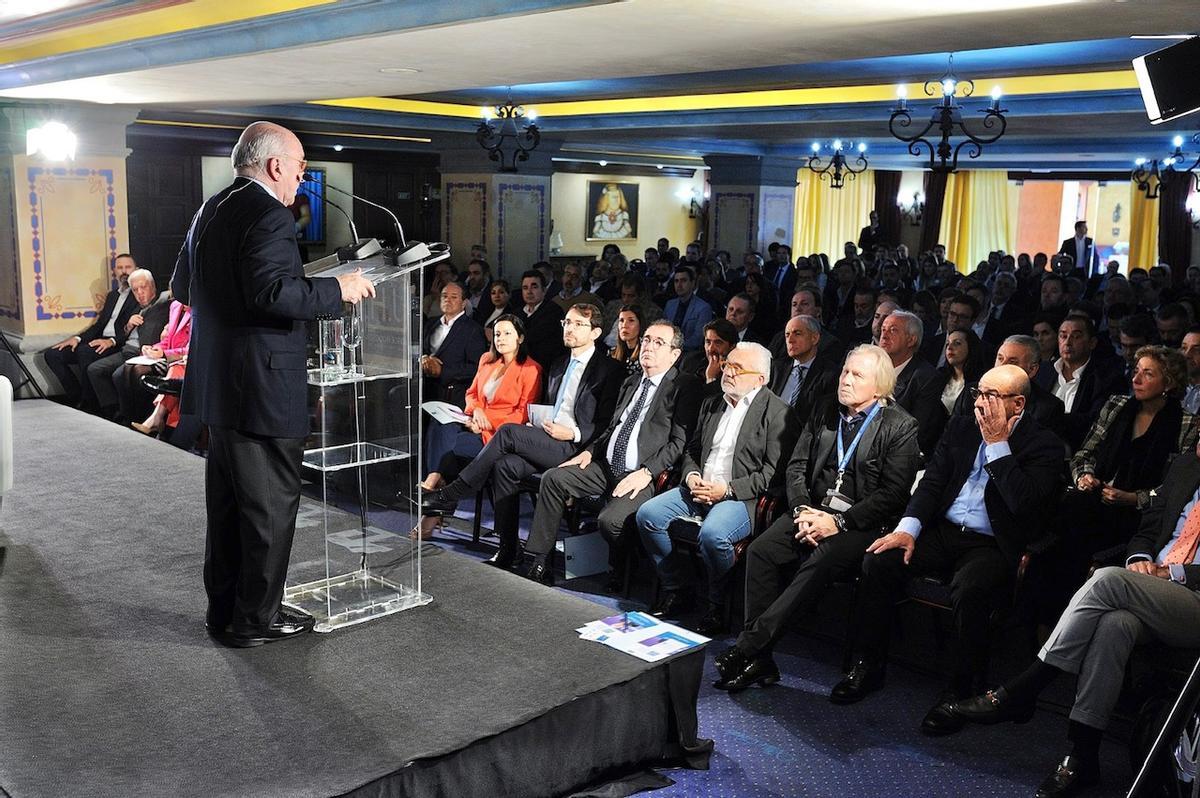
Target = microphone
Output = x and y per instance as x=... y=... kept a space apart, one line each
x=328 y=201
x=395 y=221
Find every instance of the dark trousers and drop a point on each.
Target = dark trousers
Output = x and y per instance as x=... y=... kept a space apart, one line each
x=133 y=400
x=70 y=367
x=252 y=488
x=616 y=520
x=514 y=452
x=978 y=575
x=785 y=577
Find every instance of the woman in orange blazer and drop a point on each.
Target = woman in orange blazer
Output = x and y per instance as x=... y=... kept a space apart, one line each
x=506 y=383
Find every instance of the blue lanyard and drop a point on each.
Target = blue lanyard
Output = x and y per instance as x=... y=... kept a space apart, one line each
x=844 y=455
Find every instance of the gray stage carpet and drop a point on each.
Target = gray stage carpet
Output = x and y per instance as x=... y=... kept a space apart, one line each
x=110 y=687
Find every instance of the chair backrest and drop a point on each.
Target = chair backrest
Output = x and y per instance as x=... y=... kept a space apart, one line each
x=6 y=436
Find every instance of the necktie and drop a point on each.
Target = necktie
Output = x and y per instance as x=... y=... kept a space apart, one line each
x=621 y=447
x=798 y=371
x=1191 y=399
x=1183 y=551
x=680 y=311
x=562 y=389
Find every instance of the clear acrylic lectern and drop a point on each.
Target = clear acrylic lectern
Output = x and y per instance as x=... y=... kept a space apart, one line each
x=364 y=391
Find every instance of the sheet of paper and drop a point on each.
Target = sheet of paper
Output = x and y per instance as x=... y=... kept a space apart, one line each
x=445 y=413
x=142 y=360
x=539 y=414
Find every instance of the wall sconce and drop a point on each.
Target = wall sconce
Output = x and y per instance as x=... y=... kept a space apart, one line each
x=54 y=141
x=688 y=195
x=912 y=212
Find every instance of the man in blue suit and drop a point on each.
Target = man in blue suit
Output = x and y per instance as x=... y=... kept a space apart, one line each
x=240 y=271
x=687 y=311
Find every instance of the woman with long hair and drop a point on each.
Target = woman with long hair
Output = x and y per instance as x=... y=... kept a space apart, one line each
x=630 y=323
x=507 y=382
x=498 y=303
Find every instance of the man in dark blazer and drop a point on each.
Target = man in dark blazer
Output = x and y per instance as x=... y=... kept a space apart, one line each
x=1046 y=408
x=240 y=271
x=652 y=422
x=900 y=336
x=542 y=318
x=104 y=336
x=1082 y=250
x=687 y=311
x=782 y=275
x=1097 y=377
x=870 y=236
x=832 y=520
x=985 y=495
x=582 y=388
x=742 y=440
x=450 y=350
x=803 y=378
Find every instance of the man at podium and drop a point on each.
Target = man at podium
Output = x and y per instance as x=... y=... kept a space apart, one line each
x=240 y=271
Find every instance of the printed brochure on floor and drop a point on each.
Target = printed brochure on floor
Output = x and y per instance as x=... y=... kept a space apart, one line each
x=641 y=635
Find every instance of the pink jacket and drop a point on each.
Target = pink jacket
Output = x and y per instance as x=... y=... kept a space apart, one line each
x=178 y=332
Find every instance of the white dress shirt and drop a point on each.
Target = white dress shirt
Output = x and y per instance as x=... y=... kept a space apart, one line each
x=438 y=336
x=632 y=458
x=110 y=329
x=719 y=466
x=570 y=391
x=1066 y=389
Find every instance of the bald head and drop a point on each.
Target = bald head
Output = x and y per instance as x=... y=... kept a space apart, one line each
x=1009 y=385
x=271 y=153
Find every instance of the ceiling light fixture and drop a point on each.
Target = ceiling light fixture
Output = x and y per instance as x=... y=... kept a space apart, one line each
x=54 y=141
x=516 y=128
x=1148 y=174
x=947 y=118
x=838 y=168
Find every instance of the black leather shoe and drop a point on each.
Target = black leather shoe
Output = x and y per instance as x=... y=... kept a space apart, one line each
x=730 y=662
x=761 y=670
x=505 y=557
x=712 y=624
x=285 y=626
x=446 y=499
x=994 y=706
x=540 y=572
x=1070 y=778
x=862 y=680
x=671 y=605
x=941 y=719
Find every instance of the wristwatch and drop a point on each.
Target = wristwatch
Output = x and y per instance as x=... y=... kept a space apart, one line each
x=839 y=521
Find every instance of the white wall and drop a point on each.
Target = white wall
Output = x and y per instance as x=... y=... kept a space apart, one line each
x=215 y=174
x=660 y=212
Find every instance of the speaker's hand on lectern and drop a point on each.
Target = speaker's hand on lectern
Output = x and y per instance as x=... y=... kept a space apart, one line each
x=355 y=287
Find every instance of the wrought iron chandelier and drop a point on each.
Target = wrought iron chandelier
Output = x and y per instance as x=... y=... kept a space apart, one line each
x=511 y=138
x=838 y=168
x=947 y=119
x=1148 y=174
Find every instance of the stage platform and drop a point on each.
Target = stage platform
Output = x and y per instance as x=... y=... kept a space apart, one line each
x=109 y=685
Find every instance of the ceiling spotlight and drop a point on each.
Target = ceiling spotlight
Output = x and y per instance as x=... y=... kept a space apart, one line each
x=603 y=163
x=54 y=141
x=658 y=166
x=338 y=148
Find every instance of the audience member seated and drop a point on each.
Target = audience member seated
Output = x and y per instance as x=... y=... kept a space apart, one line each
x=736 y=453
x=1173 y=321
x=146 y=324
x=477 y=288
x=1191 y=352
x=720 y=337
x=806 y=301
x=573 y=291
x=687 y=311
x=1122 y=460
x=632 y=291
x=542 y=320
x=900 y=336
x=965 y=364
x=1133 y=332
x=856 y=329
x=495 y=304
x=627 y=352
x=764 y=325
x=847 y=483
x=1022 y=351
x=171 y=349
x=69 y=361
x=451 y=347
x=584 y=385
x=883 y=309
x=506 y=382
x=803 y=378
x=985 y=495
x=1081 y=381
x=652 y=423
x=741 y=313
x=444 y=273
x=1153 y=598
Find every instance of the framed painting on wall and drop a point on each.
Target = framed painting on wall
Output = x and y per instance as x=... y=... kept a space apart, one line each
x=612 y=211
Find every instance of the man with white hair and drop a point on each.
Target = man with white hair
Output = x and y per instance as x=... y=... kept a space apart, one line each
x=741 y=441
x=240 y=272
x=847 y=483
x=900 y=336
x=986 y=494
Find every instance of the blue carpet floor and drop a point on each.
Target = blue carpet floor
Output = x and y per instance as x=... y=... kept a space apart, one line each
x=789 y=740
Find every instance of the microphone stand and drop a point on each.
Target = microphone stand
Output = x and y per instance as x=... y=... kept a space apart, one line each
x=395 y=220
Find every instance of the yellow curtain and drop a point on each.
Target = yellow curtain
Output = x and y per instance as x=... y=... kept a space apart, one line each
x=1143 y=228
x=975 y=216
x=827 y=218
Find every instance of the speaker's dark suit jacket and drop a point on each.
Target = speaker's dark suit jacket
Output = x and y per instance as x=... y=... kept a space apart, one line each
x=764 y=443
x=240 y=272
x=669 y=422
x=597 y=396
x=880 y=474
x=819 y=386
x=543 y=332
x=1021 y=491
x=1162 y=514
x=1102 y=378
x=96 y=329
x=460 y=351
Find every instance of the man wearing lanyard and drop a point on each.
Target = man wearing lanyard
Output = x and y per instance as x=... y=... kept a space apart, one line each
x=986 y=492
x=847 y=483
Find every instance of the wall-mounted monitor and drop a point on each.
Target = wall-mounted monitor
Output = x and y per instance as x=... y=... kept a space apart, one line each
x=1167 y=78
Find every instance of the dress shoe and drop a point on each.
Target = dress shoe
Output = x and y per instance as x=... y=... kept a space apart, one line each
x=941 y=719
x=446 y=498
x=146 y=429
x=540 y=572
x=994 y=706
x=285 y=626
x=761 y=670
x=432 y=503
x=505 y=557
x=730 y=662
x=672 y=604
x=863 y=679
x=712 y=624
x=1070 y=778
